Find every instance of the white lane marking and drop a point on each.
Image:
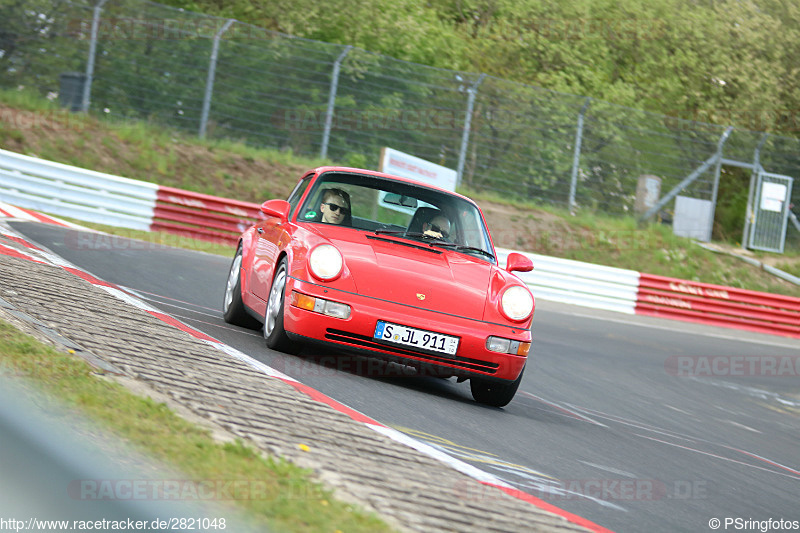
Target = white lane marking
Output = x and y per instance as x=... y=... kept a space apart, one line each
x=632 y=423
x=430 y=451
x=748 y=428
x=158 y=297
x=678 y=410
x=653 y=429
x=768 y=461
x=728 y=459
x=677 y=329
x=610 y=469
x=220 y=326
x=127 y=298
x=254 y=363
x=568 y=412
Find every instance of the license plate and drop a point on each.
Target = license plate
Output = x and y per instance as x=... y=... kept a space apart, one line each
x=416 y=338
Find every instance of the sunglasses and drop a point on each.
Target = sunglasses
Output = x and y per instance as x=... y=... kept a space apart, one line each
x=437 y=229
x=335 y=207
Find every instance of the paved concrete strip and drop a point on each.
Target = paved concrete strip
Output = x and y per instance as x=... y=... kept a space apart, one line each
x=360 y=460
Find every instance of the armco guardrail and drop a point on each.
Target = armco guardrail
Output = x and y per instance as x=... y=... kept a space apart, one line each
x=96 y=197
x=718 y=305
x=75 y=192
x=578 y=283
x=202 y=216
x=105 y=199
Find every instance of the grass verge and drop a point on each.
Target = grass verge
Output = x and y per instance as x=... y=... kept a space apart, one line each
x=291 y=502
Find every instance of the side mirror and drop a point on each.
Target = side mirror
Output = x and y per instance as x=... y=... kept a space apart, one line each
x=277 y=208
x=518 y=263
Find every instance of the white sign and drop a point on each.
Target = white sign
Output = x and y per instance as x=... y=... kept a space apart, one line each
x=772 y=196
x=693 y=218
x=407 y=166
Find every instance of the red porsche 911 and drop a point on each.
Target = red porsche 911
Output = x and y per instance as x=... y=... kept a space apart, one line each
x=386 y=267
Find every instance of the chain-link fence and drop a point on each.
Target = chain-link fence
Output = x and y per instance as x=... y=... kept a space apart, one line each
x=219 y=78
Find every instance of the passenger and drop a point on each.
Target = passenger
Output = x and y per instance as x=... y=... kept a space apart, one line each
x=438 y=227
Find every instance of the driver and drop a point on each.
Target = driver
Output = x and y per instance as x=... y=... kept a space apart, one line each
x=335 y=206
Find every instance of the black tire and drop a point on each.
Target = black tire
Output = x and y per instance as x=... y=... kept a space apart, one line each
x=274 y=333
x=494 y=393
x=233 y=310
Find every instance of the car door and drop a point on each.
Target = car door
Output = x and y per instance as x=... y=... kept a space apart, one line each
x=273 y=235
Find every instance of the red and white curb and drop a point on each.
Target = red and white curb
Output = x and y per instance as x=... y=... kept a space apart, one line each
x=18 y=213
x=485 y=478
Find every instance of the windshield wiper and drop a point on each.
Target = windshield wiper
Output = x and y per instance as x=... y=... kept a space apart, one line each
x=474 y=249
x=404 y=233
x=434 y=241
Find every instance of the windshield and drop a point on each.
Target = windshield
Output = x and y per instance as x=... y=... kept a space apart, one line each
x=397 y=209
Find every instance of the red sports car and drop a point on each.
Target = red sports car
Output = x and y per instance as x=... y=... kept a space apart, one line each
x=388 y=267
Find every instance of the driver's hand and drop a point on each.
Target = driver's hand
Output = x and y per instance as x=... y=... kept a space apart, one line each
x=434 y=234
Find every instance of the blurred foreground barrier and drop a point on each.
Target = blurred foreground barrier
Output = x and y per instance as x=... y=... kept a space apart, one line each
x=115 y=201
x=718 y=305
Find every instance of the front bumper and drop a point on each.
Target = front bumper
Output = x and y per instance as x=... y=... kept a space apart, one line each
x=472 y=359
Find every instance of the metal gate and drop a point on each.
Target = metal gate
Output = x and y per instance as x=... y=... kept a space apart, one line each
x=770 y=212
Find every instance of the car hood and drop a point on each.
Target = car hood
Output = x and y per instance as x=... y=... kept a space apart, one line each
x=412 y=273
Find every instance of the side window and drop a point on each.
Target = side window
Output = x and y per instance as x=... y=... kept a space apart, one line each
x=297 y=193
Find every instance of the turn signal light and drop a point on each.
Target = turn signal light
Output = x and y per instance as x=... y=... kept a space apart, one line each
x=501 y=345
x=320 y=305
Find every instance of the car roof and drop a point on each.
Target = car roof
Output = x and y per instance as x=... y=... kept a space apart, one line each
x=320 y=170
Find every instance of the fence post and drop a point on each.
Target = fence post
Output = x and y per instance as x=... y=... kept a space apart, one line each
x=688 y=180
x=462 y=154
x=212 y=68
x=748 y=215
x=87 y=85
x=717 y=169
x=576 y=156
x=326 y=134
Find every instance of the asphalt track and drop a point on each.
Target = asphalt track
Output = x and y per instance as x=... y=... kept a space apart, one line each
x=602 y=427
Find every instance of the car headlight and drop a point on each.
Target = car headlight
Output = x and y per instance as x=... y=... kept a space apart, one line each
x=516 y=303
x=325 y=262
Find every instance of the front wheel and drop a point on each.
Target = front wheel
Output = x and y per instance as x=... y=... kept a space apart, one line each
x=233 y=310
x=494 y=393
x=274 y=332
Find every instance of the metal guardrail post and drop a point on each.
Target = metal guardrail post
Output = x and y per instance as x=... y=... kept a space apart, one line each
x=462 y=154
x=212 y=68
x=576 y=156
x=326 y=135
x=714 y=159
x=717 y=169
x=87 y=86
x=793 y=219
x=748 y=217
